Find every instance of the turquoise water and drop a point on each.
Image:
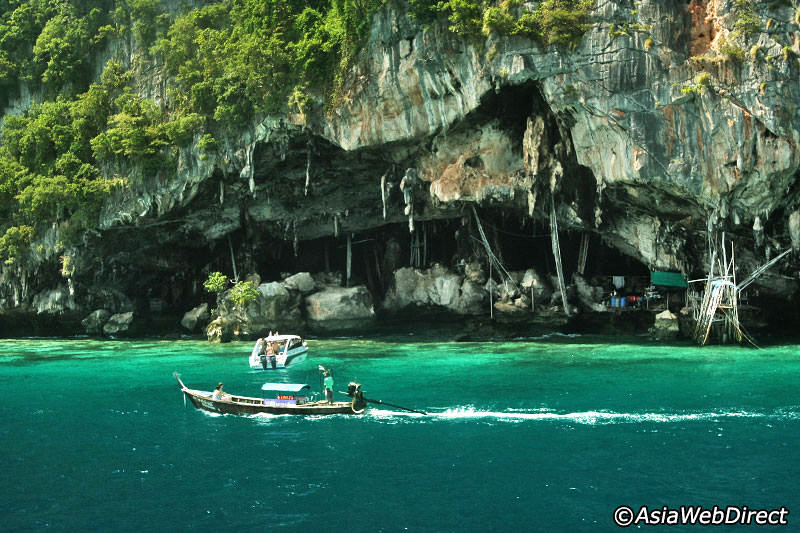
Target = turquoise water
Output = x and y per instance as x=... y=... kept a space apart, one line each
x=549 y=434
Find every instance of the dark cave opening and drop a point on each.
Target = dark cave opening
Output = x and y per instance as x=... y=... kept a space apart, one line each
x=519 y=242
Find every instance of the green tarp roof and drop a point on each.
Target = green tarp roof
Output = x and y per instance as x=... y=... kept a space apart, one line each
x=668 y=279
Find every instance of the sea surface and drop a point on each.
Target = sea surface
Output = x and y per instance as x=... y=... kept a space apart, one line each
x=540 y=434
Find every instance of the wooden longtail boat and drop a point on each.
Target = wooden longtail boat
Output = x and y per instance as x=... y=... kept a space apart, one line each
x=291 y=399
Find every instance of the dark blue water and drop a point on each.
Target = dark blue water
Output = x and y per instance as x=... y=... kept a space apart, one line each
x=538 y=435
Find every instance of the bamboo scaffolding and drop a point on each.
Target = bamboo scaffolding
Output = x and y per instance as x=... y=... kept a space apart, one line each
x=720 y=300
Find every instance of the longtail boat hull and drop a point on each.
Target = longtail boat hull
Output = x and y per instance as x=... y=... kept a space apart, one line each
x=232 y=404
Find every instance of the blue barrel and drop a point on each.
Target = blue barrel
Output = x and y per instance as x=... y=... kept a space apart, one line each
x=622 y=301
x=614 y=301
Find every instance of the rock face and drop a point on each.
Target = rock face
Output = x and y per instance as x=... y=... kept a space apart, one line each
x=118 y=323
x=301 y=282
x=664 y=128
x=54 y=301
x=340 y=308
x=193 y=319
x=95 y=321
x=666 y=325
x=433 y=287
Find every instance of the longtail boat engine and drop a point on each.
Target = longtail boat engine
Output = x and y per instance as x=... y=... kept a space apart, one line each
x=354 y=391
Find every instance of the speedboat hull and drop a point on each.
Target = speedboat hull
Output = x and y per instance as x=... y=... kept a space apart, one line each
x=265 y=362
x=286 y=351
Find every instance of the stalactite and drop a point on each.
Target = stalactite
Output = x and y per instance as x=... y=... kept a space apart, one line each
x=406 y=185
x=233 y=259
x=308 y=168
x=758 y=231
x=383 y=194
x=247 y=169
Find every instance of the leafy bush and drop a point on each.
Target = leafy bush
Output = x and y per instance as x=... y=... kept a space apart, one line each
x=562 y=22
x=243 y=293
x=497 y=19
x=232 y=61
x=216 y=282
x=748 y=21
x=731 y=52
x=14 y=241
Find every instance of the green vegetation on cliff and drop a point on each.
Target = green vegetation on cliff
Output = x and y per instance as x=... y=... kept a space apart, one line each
x=224 y=63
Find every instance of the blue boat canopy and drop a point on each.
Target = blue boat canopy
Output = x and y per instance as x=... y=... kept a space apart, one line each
x=286 y=387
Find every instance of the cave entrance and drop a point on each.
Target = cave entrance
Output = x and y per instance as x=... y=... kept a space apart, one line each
x=518 y=241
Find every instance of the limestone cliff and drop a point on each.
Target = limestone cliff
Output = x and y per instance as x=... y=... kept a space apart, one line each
x=661 y=130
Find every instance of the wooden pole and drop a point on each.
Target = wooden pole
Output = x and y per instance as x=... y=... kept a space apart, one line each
x=557 y=254
x=349 y=256
x=491 y=289
x=583 y=253
x=424 y=245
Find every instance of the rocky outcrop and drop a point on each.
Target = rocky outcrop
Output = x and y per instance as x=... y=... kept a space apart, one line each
x=591 y=297
x=118 y=324
x=274 y=308
x=94 y=321
x=434 y=287
x=301 y=282
x=54 y=301
x=666 y=326
x=340 y=308
x=195 y=318
x=664 y=128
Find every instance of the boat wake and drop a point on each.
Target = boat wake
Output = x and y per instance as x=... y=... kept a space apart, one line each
x=587 y=417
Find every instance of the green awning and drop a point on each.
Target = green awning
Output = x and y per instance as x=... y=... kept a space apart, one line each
x=668 y=279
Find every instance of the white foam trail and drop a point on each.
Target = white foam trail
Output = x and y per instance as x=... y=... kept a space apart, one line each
x=583 y=417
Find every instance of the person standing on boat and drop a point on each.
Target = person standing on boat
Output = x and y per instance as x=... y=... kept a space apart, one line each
x=218 y=394
x=327 y=386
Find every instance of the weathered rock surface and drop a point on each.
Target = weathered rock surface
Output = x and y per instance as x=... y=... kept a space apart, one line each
x=434 y=287
x=301 y=282
x=275 y=308
x=118 y=323
x=54 y=301
x=94 y=321
x=340 y=308
x=666 y=325
x=195 y=318
x=589 y=296
x=648 y=136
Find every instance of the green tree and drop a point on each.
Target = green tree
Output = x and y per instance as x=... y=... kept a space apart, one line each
x=243 y=293
x=14 y=241
x=61 y=48
x=216 y=282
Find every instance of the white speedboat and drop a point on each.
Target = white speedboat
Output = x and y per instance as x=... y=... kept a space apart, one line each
x=278 y=351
